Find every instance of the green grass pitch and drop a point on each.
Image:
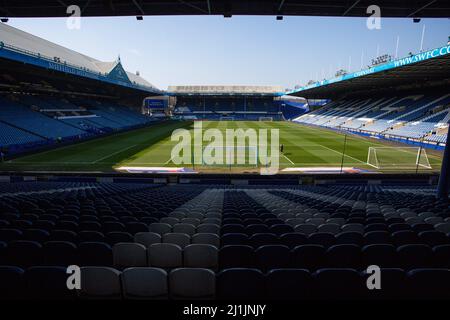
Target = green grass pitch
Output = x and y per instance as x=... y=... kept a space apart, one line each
x=151 y=147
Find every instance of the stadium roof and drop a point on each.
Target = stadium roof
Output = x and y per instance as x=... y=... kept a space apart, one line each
x=225 y=90
x=420 y=70
x=354 y=8
x=24 y=45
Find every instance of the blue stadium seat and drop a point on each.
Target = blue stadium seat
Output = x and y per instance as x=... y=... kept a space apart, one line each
x=433 y=238
x=63 y=235
x=262 y=239
x=234 y=239
x=289 y=284
x=47 y=283
x=310 y=257
x=293 y=239
x=23 y=253
x=59 y=253
x=414 y=256
x=382 y=255
x=36 y=235
x=272 y=257
x=234 y=256
x=322 y=238
x=339 y=284
x=95 y=254
x=349 y=237
x=429 y=283
x=343 y=256
x=441 y=255
x=393 y=285
x=12 y=283
x=240 y=284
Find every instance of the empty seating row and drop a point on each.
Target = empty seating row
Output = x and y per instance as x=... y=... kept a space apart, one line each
x=235 y=283
x=188 y=228
x=313 y=257
x=292 y=239
x=121 y=255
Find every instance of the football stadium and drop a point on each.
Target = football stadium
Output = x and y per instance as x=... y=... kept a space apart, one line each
x=113 y=188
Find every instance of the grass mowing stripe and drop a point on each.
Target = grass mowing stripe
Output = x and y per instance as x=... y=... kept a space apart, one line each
x=303 y=146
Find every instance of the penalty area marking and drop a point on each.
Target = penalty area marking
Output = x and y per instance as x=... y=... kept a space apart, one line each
x=114 y=153
x=288 y=159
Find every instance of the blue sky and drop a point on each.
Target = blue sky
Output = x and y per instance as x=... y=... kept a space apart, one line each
x=243 y=50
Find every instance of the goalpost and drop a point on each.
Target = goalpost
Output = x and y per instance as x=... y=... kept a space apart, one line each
x=226 y=118
x=265 y=118
x=398 y=158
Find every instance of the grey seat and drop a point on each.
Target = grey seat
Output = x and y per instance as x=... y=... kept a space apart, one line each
x=100 y=283
x=212 y=220
x=129 y=254
x=332 y=228
x=184 y=228
x=315 y=221
x=206 y=238
x=285 y=216
x=165 y=255
x=321 y=215
x=208 y=228
x=215 y=215
x=443 y=227
x=145 y=283
x=339 y=221
x=180 y=239
x=306 y=228
x=413 y=220
x=193 y=221
x=201 y=256
x=196 y=215
x=178 y=215
x=426 y=214
x=304 y=215
x=169 y=220
x=294 y=221
x=434 y=220
x=353 y=227
x=147 y=238
x=192 y=283
x=160 y=228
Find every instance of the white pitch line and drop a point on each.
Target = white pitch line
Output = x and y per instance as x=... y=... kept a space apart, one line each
x=341 y=153
x=289 y=160
x=112 y=154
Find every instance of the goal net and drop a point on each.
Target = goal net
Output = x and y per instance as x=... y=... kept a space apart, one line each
x=265 y=118
x=243 y=156
x=398 y=158
x=226 y=118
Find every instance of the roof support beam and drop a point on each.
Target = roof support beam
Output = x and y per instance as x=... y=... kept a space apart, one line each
x=280 y=7
x=62 y=3
x=209 y=6
x=351 y=7
x=138 y=6
x=193 y=6
x=87 y=4
x=420 y=9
